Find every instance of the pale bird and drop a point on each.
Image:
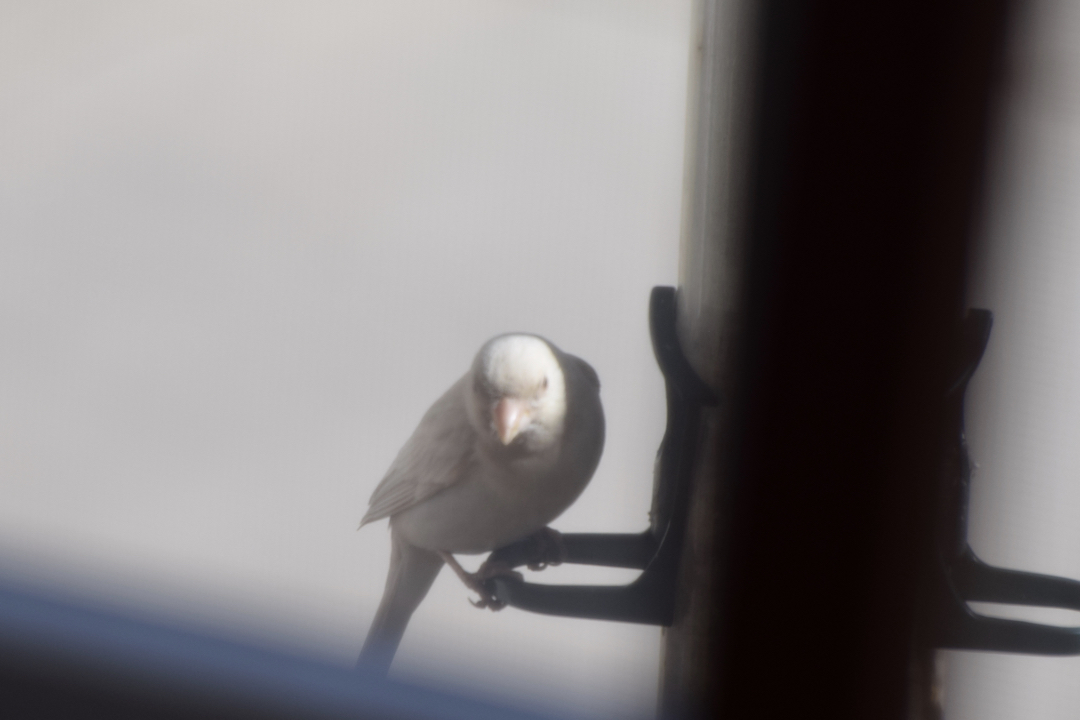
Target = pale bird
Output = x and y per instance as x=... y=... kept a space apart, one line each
x=500 y=455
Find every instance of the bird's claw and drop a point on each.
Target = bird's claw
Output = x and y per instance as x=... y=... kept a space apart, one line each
x=492 y=569
x=482 y=577
x=478 y=581
x=549 y=548
x=488 y=601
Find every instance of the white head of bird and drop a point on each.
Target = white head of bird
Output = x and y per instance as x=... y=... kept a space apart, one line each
x=519 y=393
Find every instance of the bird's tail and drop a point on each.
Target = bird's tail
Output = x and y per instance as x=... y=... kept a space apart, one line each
x=412 y=571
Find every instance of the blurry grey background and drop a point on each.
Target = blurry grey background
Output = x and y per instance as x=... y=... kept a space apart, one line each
x=1023 y=408
x=243 y=246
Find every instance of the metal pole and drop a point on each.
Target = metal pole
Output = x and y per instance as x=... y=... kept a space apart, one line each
x=835 y=152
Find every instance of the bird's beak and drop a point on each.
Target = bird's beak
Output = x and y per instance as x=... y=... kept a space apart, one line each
x=509 y=415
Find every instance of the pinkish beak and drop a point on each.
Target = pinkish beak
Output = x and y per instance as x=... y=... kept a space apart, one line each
x=509 y=416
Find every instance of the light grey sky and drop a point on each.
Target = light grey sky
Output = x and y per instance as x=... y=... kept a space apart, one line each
x=1023 y=410
x=243 y=246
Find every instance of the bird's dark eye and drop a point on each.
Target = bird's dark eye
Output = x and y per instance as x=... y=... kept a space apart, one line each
x=543 y=385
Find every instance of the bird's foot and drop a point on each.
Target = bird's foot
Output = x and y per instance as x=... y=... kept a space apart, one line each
x=478 y=581
x=489 y=571
x=548 y=549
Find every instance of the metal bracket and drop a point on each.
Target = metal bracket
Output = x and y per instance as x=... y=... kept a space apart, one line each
x=958 y=576
x=650 y=599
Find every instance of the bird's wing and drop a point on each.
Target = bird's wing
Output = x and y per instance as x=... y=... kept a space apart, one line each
x=440 y=452
x=584 y=368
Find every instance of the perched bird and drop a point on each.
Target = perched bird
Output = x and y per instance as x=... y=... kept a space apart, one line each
x=500 y=455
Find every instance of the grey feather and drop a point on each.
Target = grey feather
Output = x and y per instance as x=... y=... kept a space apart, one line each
x=412 y=571
x=437 y=455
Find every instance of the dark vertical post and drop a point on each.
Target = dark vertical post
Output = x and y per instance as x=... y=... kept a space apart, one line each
x=712 y=257
x=865 y=128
